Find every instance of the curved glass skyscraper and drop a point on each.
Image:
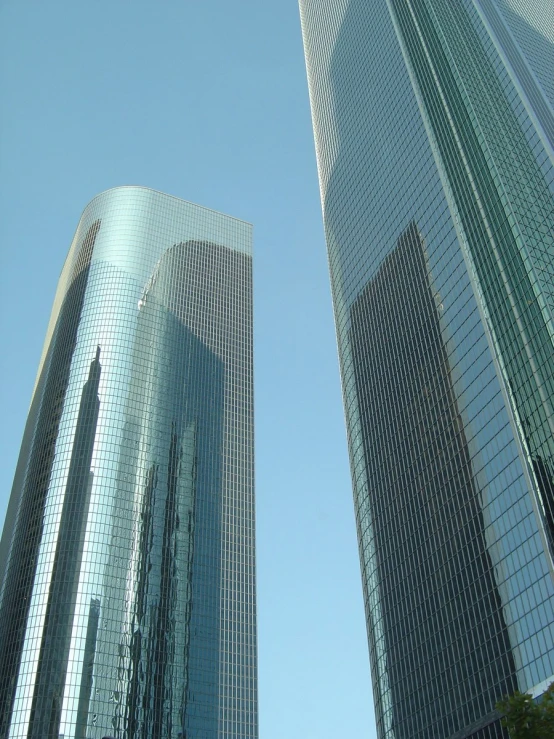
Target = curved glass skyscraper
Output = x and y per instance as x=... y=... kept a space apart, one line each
x=128 y=578
x=434 y=132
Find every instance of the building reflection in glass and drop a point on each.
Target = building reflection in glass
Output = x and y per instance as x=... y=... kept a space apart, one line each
x=166 y=549
x=60 y=607
x=88 y=669
x=444 y=627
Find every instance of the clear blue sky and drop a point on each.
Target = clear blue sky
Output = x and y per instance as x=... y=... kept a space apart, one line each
x=207 y=101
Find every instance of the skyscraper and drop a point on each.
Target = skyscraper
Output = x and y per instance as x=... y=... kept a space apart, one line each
x=434 y=133
x=127 y=559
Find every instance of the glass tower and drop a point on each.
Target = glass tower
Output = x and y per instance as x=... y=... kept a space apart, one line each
x=127 y=560
x=434 y=132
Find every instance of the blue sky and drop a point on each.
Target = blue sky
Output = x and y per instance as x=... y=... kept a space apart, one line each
x=209 y=102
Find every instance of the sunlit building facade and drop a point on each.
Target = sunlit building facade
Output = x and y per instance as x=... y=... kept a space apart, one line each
x=128 y=573
x=434 y=131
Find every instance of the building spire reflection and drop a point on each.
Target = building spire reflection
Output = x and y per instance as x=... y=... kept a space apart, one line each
x=60 y=609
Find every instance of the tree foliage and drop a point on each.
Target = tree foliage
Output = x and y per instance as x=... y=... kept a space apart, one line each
x=526 y=718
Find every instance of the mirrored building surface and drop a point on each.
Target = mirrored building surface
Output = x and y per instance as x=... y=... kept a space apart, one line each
x=434 y=134
x=128 y=576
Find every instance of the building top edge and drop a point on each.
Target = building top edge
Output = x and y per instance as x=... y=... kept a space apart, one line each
x=164 y=195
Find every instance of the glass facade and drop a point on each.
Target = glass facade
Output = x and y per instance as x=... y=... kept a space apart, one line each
x=433 y=126
x=128 y=571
